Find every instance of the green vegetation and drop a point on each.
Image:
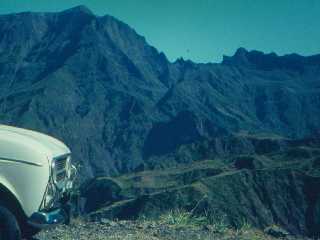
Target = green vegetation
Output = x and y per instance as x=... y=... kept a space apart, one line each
x=180 y=218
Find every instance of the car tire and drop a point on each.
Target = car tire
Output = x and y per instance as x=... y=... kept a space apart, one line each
x=30 y=232
x=9 y=227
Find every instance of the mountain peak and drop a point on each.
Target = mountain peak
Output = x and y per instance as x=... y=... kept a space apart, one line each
x=241 y=51
x=239 y=58
x=79 y=9
x=269 y=61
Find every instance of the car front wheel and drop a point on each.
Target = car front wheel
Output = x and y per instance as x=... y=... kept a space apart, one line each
x=9 y=227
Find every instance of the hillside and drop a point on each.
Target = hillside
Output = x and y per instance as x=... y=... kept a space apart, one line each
x=276 y=187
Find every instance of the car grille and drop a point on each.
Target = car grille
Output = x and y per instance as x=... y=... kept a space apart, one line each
x=61 y=163
x=60 y=168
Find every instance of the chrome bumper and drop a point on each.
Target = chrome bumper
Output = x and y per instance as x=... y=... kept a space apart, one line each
x=43 y=220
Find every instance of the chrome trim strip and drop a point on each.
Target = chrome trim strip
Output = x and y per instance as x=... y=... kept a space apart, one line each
x=62 y=156
x=3 y=159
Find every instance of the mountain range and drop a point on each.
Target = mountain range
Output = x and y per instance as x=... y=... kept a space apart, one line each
x=96 y=84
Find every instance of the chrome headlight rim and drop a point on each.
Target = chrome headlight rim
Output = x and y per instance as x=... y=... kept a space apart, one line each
x=69 y=167
x=53 y=171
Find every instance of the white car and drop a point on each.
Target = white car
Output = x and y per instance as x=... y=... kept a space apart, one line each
x=36 y=177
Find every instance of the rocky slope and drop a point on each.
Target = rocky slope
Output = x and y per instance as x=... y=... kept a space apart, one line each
x=122 y=106
x=278 y=186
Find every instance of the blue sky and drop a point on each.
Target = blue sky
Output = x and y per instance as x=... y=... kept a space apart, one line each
x=205 y=30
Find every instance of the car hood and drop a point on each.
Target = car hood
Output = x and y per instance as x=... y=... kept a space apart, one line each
x=50 y=146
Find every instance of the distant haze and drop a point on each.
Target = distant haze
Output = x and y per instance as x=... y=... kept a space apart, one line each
x=205 y=30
